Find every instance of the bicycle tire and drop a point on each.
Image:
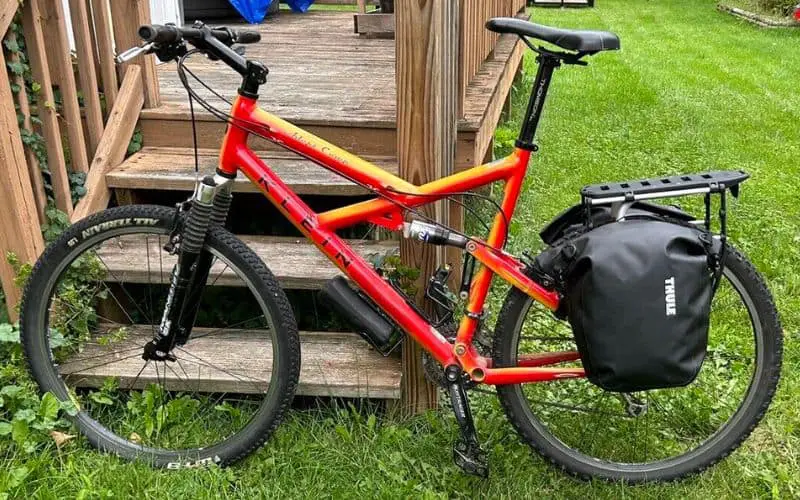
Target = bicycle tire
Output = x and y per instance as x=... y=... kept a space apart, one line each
x=286 y=344
x=729 y=437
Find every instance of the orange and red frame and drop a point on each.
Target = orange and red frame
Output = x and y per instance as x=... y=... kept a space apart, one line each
x=387 y=210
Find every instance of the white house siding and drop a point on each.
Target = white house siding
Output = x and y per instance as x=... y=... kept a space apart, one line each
x=161 y=12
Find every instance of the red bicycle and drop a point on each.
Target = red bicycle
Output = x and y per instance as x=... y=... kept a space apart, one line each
x=218 y=410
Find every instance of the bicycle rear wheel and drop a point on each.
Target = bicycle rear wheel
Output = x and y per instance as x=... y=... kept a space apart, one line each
x=656 y=435
x=96 y=297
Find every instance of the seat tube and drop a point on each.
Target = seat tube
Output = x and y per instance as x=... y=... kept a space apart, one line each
x=547 y=64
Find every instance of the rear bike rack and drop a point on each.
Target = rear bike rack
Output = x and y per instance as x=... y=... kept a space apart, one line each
x=664 y=187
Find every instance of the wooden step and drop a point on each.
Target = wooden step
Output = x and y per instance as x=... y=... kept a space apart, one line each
x=296 y=263
x=172 y=126
x=238 y=361
x=172 y=169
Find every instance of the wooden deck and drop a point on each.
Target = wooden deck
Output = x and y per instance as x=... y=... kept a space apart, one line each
x=239 y=361
x=334 y=83
x=320 y=73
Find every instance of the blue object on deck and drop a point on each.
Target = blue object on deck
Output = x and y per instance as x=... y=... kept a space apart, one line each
x=254 y=11
x=299 y=5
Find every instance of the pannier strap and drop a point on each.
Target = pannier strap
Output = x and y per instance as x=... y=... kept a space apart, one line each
x=664 y=187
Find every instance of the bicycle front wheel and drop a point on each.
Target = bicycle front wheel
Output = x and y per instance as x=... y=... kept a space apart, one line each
x=96 y=297
x=656 y=435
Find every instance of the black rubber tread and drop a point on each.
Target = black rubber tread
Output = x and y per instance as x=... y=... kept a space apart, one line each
x=513 y=402
x=263 y=425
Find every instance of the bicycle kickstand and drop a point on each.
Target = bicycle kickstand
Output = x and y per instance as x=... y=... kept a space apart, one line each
x=467 y=452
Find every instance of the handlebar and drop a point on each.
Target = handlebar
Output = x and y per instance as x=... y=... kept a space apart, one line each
x=215 y=42
x=167 y=42
x=156 y=33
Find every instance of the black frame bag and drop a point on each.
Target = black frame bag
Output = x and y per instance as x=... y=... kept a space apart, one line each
x=638 y=296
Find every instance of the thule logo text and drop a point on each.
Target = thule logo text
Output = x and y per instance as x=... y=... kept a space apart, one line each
x=669 y=296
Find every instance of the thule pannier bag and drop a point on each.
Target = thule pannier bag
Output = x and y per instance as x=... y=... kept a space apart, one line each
x=638 y=295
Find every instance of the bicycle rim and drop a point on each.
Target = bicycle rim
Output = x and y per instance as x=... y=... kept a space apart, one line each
x=98 y=319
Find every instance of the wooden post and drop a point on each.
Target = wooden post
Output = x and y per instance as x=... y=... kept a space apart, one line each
x=37 y=183
x=127 y=16
x=20 y=232
x=54 y=10
x=105 y=51
x=32 y=24
x=82 y=30
x=427 y=59
x=113 y=145
x=62 y=60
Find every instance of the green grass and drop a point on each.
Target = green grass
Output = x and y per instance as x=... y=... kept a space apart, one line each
x=693 y=89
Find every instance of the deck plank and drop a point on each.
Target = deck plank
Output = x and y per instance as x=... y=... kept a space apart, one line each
x=296 y=263
x=172 y=169
x=240 y=361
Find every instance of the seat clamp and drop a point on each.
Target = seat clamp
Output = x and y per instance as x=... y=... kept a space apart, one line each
x=528 y=146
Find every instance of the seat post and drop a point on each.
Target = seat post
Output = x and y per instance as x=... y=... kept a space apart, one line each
x=547 y=64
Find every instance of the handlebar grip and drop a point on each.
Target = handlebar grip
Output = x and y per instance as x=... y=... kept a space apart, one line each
x=248 y=37
x=155 y=33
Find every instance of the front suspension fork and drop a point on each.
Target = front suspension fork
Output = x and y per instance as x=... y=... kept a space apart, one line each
x=210 y=205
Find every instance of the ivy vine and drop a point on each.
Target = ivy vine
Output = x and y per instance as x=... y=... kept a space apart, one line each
x=18 y=65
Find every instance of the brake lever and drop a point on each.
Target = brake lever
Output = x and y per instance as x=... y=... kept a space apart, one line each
x=134 y=52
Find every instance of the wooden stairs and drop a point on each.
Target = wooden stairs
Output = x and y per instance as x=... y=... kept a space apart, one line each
x=348 y=97
x=335 y=364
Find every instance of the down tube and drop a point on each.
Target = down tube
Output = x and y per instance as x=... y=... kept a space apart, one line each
x=350 y=262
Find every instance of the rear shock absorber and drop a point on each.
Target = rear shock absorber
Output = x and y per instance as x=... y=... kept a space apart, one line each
x=191 y=272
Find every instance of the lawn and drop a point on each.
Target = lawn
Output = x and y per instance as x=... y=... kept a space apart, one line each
x=693 y=89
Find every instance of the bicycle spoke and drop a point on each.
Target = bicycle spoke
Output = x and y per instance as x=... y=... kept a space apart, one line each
x=102 y=355
x=235 y=325
x=133 y=301
x=227 y=372
x=115 y=360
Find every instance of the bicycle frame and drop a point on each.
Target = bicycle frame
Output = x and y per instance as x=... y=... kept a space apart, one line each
x=320 y=228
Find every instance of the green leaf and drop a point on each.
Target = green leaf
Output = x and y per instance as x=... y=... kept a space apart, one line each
x=48 y=408
x=19 y=431
x=16 y=67
x=12 y=45
x=17 y=475
x=5 y=428
x=69 y=407
x=25 y=415
x=8 y=334
x=100 y=398
x=10 y=391
x=57 y=339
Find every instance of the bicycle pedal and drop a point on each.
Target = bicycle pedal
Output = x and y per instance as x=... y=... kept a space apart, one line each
x=471 y=459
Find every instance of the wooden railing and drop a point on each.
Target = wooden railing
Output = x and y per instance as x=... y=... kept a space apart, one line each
x=79 y=133
x=477 y=43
